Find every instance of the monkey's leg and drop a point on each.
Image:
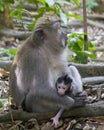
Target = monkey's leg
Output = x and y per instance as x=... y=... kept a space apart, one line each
x=16 y=90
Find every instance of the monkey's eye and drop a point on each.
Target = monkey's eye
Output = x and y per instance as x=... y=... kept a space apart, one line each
x=59 y=87
x=64 y=88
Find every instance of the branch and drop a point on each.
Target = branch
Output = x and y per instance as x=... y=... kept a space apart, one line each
x=27 y=6
x=98 y=60
x=93 y=80
x=95 y=16
x=101 y=48
x=86 y=70
x=14 y=33
x=90 y=110
x=89 y=70
x=89 y=22
x=95 y=24
x=96 y=86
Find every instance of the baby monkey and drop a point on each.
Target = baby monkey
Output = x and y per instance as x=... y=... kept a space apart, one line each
x=64 y=87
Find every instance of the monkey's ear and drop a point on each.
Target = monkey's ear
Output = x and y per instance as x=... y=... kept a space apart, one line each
x=70 y=80
x=39 y=32
x=66 y=77
x=56 y=24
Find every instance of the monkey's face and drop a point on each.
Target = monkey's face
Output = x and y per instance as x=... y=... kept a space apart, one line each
x=62 y=88
x=51 y=36
x=58 y=37
x=63 y=85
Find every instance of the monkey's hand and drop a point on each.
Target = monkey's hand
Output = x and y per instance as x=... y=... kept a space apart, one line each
x=80 y=99
x=55 y=121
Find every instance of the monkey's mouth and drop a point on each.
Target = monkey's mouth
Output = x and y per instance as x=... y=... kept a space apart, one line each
x=61 y=93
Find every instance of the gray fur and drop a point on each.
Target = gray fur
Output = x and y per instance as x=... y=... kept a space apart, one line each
x=36 y=67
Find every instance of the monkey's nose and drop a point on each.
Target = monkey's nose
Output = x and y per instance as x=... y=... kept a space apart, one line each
x=61 y=93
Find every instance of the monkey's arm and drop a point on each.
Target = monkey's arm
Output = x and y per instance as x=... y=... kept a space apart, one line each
x=76 y=79
x=56 y=118
x=49 y=98
x=78 y=94
x=16 y=92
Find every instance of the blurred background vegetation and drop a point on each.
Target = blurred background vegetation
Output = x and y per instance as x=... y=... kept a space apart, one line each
x=24 y=13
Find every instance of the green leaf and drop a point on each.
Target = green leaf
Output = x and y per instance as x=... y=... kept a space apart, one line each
x=7 y=54
x=76 y=44
x=14 y=12
x=89 y=54
x=91 y=3
x=77 y=2
x=13 y=51
x=42 y=1
x=1 y=8
x=75 y=16
x=31 y=26
x=2 y=102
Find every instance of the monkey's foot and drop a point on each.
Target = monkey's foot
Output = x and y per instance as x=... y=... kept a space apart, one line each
x=55 y=121
x=81 y=99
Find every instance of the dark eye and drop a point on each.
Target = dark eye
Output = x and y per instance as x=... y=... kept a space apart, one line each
x=59 y=87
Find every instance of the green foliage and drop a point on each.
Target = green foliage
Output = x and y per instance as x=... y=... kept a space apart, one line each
x=5 y=2
x=76 y=44
x=18 y=12
x=43 y=6
x=2 y=6
x=2 y=102
x=76 y=2
x=91 y=3
x=7 y=54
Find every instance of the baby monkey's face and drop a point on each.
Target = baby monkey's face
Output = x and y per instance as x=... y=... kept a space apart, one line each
x=62 y=88
x=63 y=85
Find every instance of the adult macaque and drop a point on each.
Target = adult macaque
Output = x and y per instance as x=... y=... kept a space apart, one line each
x=37 y=65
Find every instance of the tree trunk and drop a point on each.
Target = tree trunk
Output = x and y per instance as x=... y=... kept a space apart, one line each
x=90 y=110
x=5 y=20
